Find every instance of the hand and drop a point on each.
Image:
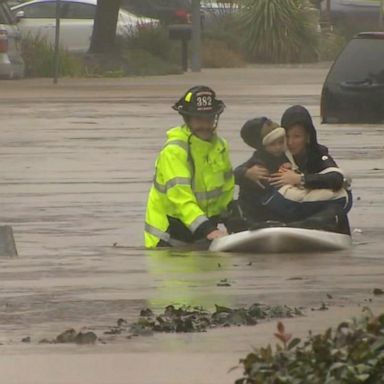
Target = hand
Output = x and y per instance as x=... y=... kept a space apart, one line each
x=288 y=177
x=257 y=173
x=216 y=234
x=284 y=167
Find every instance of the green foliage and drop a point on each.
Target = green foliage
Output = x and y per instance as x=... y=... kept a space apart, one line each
x=149 y=51
x=38 y=56
x=351 y=354
x=330 y=46
x=154 y=40
x=216 y=54
x=139 y=62
x=279 y=30
x=223 y=42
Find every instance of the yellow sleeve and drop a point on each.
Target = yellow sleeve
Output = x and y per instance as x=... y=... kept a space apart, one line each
x=174 y=178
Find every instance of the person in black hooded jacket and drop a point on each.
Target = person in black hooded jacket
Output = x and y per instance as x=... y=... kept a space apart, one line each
x=315 y=169
x=318 y=168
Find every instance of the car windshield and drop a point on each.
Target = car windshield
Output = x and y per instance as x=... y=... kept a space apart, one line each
x=361 y=61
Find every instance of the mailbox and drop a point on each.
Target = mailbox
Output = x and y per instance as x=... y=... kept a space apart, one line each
x=180 y=32
x=183 y=33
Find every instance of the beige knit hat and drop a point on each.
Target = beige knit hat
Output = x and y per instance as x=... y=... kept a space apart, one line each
x=270 y=132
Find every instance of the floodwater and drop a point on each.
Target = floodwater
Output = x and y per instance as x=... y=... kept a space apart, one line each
x=76 y=165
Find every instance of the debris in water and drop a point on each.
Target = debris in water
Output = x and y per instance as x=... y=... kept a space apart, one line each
x=329 y=296
x=323 y=307
x=224 y=283
x=296 y=278
x=26 y=339
x=86 y=338
x=250 y=263
x=114 y=245
x=357 y=230
x=122 y=323
x=70 y=336
x=378 y=292
x=197 y=319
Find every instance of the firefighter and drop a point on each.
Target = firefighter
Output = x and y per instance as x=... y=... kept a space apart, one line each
x=193 y=182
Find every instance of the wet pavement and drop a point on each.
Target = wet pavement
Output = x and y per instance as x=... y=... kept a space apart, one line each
x=76 y=165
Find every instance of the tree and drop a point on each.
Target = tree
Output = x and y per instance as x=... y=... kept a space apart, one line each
x=279 y=30
x=104 y=29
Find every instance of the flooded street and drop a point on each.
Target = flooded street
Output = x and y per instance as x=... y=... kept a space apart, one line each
x=76 y=165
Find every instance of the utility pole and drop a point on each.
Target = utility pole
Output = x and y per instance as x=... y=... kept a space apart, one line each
x=381 y=16
x=57 y=44
x=196 y=36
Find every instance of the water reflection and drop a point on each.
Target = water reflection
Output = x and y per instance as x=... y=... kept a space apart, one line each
x=188 y=278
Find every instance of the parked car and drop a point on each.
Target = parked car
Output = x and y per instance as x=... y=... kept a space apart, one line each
x=353 y=91
x=167 y=11
x=11 y=61
x=354 y=15
x=37 y=18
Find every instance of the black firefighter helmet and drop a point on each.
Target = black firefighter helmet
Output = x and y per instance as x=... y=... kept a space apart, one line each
x=199 y=101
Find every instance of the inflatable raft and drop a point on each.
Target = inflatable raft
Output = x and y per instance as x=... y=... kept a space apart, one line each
x=282 y=240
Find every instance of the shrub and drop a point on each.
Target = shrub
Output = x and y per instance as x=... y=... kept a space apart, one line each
x=279 y=30
x=38 y=55
x=154 y=40
x=351 y=354
x=216 y=54
x=330 y=46
x=223 y=41
x=139 y=62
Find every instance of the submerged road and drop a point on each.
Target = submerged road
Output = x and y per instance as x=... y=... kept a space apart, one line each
x=76 y=165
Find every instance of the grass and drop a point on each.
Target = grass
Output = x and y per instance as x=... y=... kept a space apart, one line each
x=38 y=56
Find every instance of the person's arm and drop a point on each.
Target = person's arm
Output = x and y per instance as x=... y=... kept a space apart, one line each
x=329 y=176
x=176 y=182
x=251 y=173
x=241 y=170
x=331 y=180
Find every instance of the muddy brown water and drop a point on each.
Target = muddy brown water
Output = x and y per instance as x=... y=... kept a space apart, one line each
x=76 y=165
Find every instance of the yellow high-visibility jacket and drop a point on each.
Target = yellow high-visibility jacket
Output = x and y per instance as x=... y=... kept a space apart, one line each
x=193 y=181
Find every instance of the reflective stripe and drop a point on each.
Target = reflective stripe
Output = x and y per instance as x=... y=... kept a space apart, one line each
x=171 y=183
x=179 y=143
x=159 y=187
x=197 y=222
x=203 y=196
x=163 y=236
x=156 y=232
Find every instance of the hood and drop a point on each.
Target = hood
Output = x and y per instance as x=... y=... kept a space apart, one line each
x=300 y=115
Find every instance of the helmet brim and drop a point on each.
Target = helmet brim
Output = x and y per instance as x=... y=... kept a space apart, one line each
x=218 y=109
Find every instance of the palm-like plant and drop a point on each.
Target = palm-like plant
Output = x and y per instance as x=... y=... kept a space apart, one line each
x=279 y=30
